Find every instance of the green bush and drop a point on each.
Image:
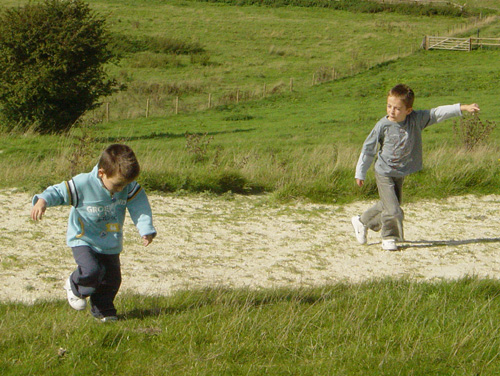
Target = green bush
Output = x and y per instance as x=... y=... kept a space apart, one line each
x=51 y=64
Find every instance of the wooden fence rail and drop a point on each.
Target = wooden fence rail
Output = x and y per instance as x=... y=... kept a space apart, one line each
x=458 y=44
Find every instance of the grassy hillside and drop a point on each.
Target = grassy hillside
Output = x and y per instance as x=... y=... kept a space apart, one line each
x=300 y=144
x=303 y=143
x=191 y=49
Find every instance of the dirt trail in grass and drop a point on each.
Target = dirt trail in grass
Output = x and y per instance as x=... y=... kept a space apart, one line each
x=250 y=242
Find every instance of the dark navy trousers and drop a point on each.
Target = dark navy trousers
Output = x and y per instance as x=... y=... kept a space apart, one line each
x=98 y=276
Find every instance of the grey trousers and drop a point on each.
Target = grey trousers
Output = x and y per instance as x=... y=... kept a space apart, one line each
x=386 y=214
x=97 y=276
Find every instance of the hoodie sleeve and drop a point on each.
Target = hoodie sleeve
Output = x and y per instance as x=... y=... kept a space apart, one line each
x=140 y=210
x=60 y=194
x=368 y=153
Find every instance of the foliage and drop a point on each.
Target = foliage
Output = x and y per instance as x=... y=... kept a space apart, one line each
x=197 y=145
x=369 y=6
x=51 y=59
x=471 y=131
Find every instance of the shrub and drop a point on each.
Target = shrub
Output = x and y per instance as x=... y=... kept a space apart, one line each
x=197 y=145
x=51 y=64
x=471 y=131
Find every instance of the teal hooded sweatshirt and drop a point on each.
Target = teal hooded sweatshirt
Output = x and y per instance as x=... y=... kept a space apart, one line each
x=96 y=218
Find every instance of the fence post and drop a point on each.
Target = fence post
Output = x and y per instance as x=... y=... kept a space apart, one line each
x=107 y=112
x=147 y=107
x=209 y=100
x=176 y=105
x=237 y=95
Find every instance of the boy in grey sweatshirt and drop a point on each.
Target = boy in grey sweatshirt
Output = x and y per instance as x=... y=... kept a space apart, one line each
x=399 y=135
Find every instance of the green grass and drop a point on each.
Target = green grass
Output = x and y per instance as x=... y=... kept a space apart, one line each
x=245 y=48
x=296 y=144
x=387 y=327
x=300 y=144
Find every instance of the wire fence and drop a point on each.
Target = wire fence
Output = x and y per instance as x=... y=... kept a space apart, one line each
x=165 y=105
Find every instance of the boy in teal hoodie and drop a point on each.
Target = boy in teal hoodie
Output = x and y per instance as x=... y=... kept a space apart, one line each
x=99 y=200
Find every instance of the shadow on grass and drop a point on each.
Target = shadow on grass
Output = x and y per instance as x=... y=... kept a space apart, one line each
x=446 y=243
x=238 y=299
x=160 y=135
x=142 y=313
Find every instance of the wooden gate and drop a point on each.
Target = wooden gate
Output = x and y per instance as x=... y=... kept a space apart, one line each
x=448 y=43
x=459 y=44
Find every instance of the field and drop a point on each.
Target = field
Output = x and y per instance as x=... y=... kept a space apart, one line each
x=264 y=276
x=293 y=144
x=239 y=285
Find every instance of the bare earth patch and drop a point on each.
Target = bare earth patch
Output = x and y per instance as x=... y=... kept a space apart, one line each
x=251 y=242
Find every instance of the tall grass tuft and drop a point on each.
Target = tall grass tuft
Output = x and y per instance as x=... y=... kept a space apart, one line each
x=452 y=171
x=124 y=44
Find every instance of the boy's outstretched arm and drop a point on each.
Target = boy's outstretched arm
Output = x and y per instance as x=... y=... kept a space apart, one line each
x=38 y=210
x=472 y=108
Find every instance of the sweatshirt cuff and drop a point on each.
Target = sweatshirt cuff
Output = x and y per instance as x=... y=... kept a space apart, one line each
x=359 y=177
x=35 y=199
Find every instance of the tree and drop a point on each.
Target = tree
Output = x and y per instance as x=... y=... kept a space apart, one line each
x=52 y=57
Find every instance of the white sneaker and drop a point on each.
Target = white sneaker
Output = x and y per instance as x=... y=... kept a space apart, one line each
x=359 y=229
x=389 y=245
x=74 y=301
x=107 y=319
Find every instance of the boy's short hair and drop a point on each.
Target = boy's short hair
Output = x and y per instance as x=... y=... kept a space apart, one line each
x=119 y=158
x=403 y=92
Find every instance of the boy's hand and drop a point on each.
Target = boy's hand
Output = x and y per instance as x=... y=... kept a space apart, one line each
x=472 y=108
x=147 y=239
x=38 y=210
x=359 y=182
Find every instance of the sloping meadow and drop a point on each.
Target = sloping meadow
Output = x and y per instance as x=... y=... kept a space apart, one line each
x=299 y=143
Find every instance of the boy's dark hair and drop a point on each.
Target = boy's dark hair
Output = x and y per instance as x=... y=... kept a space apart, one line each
x=119 y=158
x=403 y=92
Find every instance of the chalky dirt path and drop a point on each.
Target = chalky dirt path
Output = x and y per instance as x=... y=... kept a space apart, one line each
x=251 y=242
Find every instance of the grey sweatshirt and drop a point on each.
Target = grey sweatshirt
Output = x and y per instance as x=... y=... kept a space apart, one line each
x=400 y=152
